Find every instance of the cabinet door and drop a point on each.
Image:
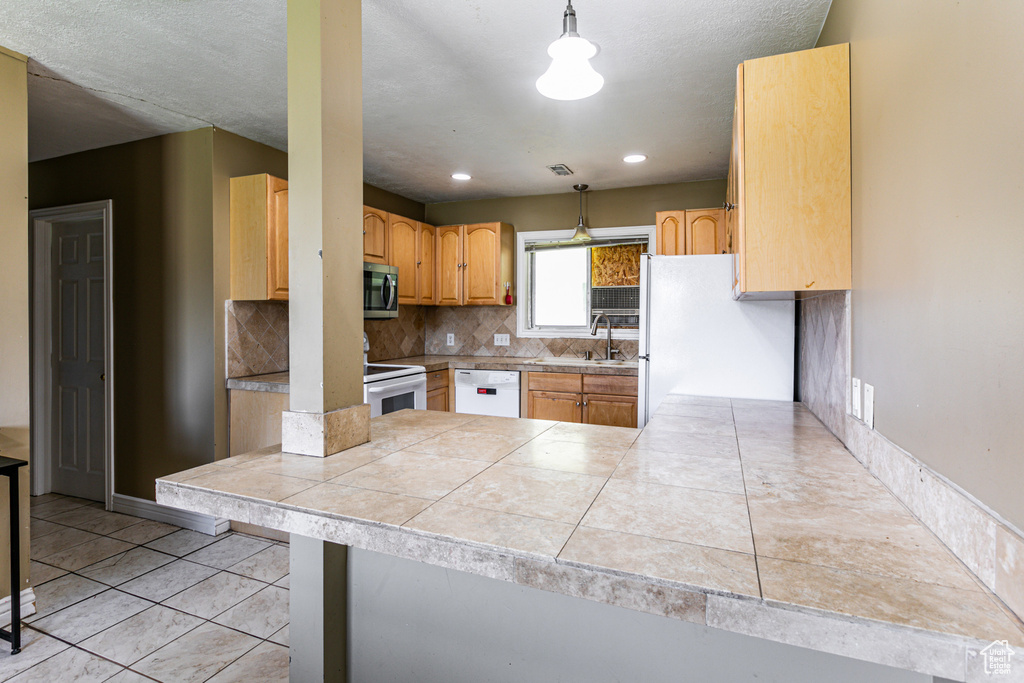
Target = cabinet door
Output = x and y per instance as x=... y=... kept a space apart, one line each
x=614 y=411
x=449 y=265
x=482 y=269
x=671 y=232
x=550 y=405
x=277 y=240
x=438 y=399
x=736 y=167
x=426 y=265
x=705 y=232
x=375 y=230
x=403 y=239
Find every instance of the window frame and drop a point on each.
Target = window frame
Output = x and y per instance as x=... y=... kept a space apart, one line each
x=524 y=278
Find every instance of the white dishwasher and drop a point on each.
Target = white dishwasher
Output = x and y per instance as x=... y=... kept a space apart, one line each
x=487 y=392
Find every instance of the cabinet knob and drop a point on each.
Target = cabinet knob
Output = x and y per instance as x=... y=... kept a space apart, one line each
x=577 y=402
x=584 y=403
x=364 y=232
x=419 y=262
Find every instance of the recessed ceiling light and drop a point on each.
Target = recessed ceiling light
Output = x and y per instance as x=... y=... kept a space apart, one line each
x=461 y=176
x=634 y=158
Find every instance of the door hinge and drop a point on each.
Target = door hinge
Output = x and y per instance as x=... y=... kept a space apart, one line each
x=645 y=357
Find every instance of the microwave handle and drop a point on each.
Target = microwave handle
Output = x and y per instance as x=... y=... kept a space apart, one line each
x=392 y=387
x=387 y=285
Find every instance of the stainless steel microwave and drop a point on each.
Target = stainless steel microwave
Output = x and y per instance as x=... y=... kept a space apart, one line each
x=380 y=291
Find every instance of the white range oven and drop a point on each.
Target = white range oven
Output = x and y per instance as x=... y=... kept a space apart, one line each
x=389 y=388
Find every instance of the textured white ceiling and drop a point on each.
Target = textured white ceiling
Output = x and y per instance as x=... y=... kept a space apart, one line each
x=448 y=85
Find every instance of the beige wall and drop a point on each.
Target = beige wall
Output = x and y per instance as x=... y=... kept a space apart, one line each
x=601 y=208
x=163 y=294
x=938 y=158
x=14 y=358
x=233 y=156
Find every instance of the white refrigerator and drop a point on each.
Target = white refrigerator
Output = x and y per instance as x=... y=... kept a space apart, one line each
x=696 y=339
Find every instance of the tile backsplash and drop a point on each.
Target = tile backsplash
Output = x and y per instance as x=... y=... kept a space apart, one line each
x=474 y=328
x=824 y=358
x=397 y=337
x=257 y=337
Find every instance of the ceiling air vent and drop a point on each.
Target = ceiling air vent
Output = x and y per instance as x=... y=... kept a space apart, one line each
x=560 y=169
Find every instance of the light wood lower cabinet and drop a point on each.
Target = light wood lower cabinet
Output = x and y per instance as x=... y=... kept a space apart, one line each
x=437 y=390
x=587 y=399
x=254 y=419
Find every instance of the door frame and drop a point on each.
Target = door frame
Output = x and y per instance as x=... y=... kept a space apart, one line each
x=41 y=339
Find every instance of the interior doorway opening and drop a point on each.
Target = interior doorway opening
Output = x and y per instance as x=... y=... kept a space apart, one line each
x=72 y=351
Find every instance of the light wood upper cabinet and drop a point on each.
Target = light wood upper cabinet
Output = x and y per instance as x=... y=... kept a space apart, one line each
x=705 y=232
x=426 y=264
x=403 y=246
x=691 y=232
x=791 y=168
x=474 y=263
x=671 y=232
x=259 y=238
x=375 y=236
x=449 y=265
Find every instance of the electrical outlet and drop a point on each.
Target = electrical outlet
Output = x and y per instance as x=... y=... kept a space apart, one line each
x=855 y=397
x=869 y=405
x=501 y=340
x=451 y=339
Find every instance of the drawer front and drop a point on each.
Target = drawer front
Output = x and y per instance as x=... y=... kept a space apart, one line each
x=610 y=384
x=437 y=379
x=555 y=381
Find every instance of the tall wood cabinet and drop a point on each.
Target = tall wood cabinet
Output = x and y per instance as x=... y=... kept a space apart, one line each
x=259 y=238
x=473 y=263
x=692 y=232
x=789 y=175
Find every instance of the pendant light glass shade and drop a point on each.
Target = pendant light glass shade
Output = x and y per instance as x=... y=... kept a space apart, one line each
x=570 y=76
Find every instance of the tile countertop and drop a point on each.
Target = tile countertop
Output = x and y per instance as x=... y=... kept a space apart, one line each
x=278 y=381
x=742 y=515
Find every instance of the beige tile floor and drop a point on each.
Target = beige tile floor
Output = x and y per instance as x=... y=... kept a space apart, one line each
x=124 y=599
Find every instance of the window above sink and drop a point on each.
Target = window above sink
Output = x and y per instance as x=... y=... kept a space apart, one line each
x=561 y=286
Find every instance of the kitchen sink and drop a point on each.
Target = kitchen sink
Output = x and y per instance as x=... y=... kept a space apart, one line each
x=578 y=361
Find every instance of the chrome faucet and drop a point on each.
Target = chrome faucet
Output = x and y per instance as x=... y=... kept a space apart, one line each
x=608 y=323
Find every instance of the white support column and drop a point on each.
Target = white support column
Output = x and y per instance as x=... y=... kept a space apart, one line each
x=318 y=608
x=325 y=204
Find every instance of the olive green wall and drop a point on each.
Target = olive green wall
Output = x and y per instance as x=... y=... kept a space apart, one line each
x=601 y=208
x=938 y=157
x=163 y=286
x=233 y=156
x=14 y=328
x=392 y=203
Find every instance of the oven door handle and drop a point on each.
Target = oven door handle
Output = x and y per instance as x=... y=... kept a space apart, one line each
x=387 y=284
x=392 y=387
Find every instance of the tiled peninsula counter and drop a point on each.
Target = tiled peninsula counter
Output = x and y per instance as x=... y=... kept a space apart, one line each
x=745 y=516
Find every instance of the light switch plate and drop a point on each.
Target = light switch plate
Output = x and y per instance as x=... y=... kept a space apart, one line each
x=869 y=405
x=855 y=397
x=501 y=340
x=451 y=339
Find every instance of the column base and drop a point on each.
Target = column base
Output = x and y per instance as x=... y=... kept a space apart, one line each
x=323 y=434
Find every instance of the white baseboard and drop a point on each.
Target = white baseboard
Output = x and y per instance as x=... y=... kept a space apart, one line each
x=147 y=509
x=28 y=606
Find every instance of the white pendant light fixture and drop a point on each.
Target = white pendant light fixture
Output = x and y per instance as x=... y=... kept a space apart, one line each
x=570 y=76
x=581 y=235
